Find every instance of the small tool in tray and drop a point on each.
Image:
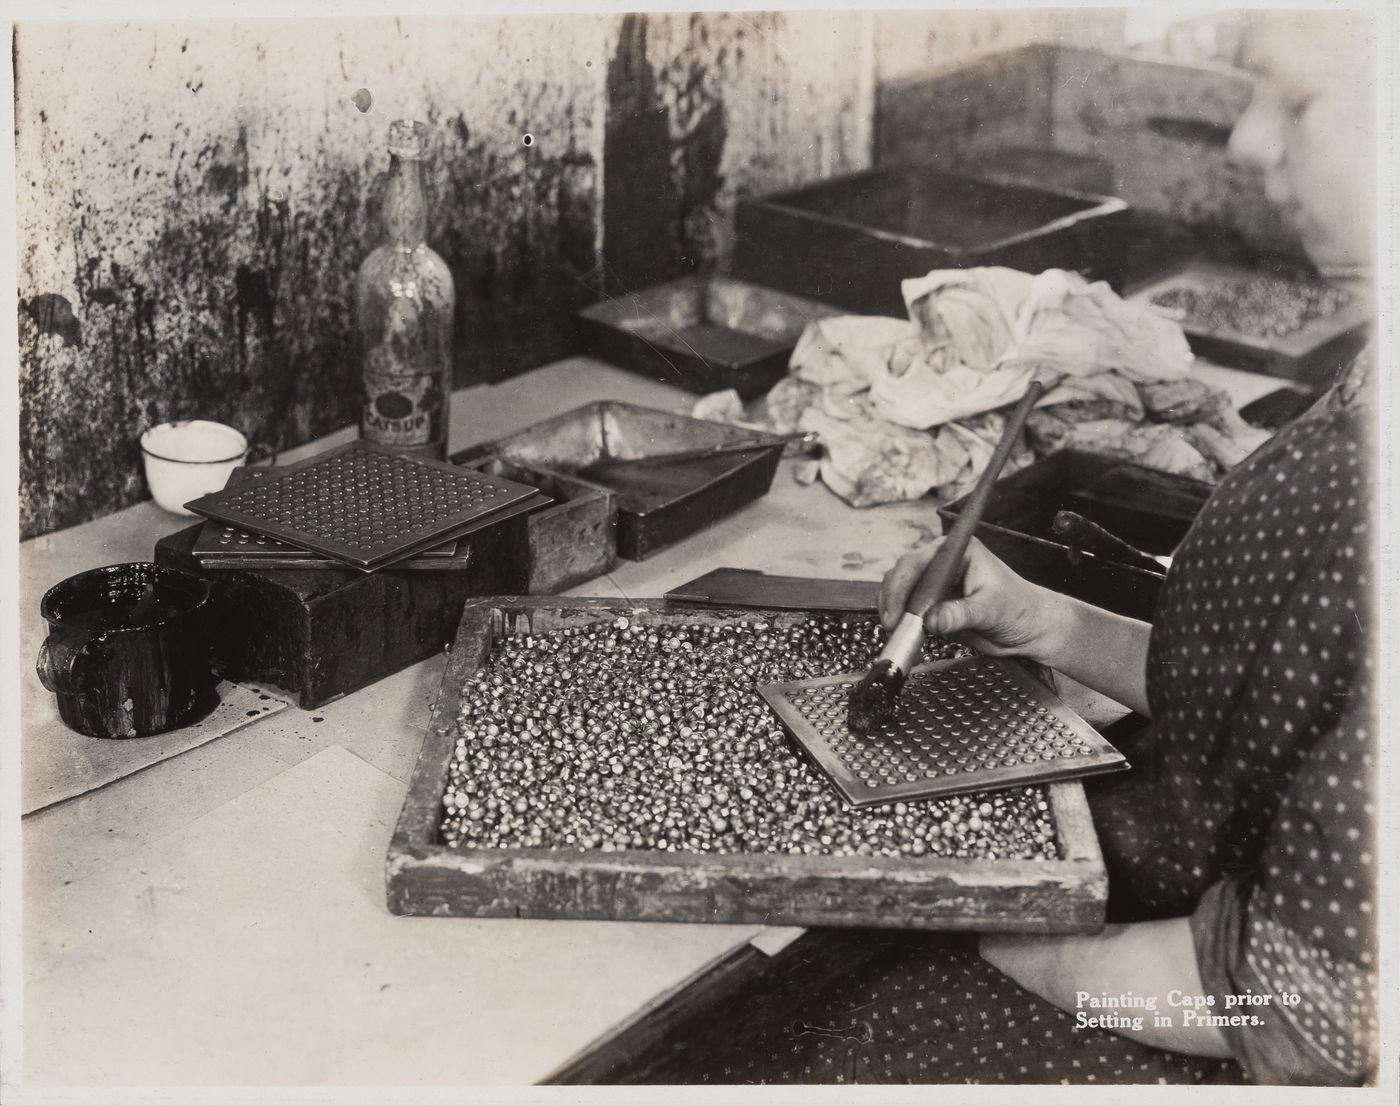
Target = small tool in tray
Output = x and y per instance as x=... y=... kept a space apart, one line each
x=1084 y=536
x=608 y=466
x=962 y=725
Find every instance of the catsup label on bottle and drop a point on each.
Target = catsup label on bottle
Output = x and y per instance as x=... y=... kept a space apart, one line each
x=402 y=407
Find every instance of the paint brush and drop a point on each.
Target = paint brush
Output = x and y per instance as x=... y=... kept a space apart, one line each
x=872 y=701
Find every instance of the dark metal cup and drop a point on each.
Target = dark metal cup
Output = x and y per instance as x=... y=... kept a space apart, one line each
x=128 y=651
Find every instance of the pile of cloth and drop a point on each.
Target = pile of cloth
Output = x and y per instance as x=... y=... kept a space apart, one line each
x=905 y=407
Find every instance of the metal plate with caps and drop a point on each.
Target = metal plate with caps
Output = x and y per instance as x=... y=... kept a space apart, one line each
x=366 y=506
x=971 y=724
x=453 y=555
x=221 y=544
x=223 y=541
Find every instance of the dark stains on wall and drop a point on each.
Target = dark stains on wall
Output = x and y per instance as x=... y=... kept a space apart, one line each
x=217 y=282
x=517 y=228
x=638 y=202
x=53 y=316
x=240 y=309
x=236 y=309
x=664 y=139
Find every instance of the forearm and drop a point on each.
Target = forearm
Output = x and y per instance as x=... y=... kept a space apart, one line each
x=1145 y=962
x=1103 y=650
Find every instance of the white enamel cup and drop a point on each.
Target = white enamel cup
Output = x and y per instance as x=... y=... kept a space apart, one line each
x=185 y=460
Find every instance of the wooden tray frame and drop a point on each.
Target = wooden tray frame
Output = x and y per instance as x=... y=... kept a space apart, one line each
x=1307 y=356
x=427 y=878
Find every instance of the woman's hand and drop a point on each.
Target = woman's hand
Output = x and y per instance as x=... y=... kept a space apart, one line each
x=991 y=608
x=998 y=613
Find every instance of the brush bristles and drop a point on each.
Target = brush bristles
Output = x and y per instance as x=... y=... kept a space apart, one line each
x=872 y=701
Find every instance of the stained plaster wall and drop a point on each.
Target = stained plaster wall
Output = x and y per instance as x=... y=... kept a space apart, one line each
x=705 y=108
x=190 y=221
x=194 y=197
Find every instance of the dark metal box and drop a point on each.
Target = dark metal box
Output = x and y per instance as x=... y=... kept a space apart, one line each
x=850 y=241
x=663 y=505
x=1148 y=509
x=702 y=333
x=426 y=877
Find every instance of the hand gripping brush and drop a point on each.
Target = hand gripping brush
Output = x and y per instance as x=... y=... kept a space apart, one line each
x=872 y=701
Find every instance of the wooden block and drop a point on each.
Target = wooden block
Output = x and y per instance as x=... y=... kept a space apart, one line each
x=320 y=634
x=426 y=877
x=571 y=541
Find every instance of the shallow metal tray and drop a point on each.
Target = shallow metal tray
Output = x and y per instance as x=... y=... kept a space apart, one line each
x=1311 y=354
x=662 y=505
x=702 y=333
x=851 y=240
x=1148 y=509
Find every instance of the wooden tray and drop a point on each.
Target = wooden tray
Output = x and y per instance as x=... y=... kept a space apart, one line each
x=672 y=502
x=850 y=241
x=425 y=877
x=1311 y=355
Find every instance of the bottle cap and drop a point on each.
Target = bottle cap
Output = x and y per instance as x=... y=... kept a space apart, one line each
x=408 y=138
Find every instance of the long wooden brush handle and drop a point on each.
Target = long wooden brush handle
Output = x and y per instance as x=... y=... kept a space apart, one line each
x=943 y=569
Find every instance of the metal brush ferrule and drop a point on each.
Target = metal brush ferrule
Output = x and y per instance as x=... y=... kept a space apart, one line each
x=906 y=643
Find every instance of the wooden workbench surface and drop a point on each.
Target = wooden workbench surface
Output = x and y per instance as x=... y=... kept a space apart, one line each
x=219 y=918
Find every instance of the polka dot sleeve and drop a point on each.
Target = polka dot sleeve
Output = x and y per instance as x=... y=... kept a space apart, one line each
x=1300 y=924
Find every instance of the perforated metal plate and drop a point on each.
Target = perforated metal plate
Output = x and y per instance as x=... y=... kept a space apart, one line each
x=219 y=541
x=970 y=724
x=221 y=545
x=363 y=505
x=461 y=557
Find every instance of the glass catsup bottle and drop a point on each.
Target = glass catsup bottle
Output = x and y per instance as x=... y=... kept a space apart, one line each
x=403 y=305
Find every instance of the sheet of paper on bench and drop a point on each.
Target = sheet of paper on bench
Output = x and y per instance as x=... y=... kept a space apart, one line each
x=57 y=763
x=256 y=947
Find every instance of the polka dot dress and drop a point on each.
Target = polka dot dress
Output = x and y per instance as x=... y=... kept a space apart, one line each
x=1252 y=804
x=859 y=1007
x=1249 y=810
